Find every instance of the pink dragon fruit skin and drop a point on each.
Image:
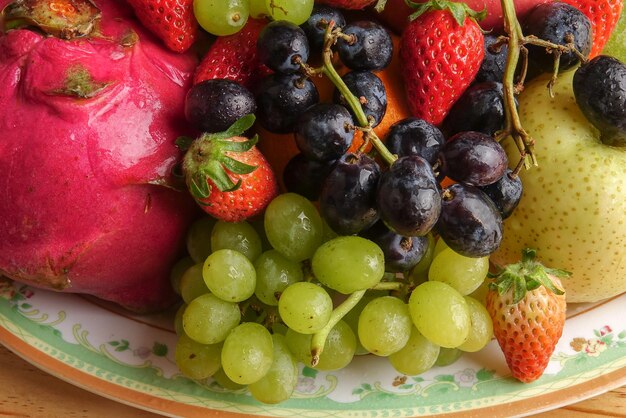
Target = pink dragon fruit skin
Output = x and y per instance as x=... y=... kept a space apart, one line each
x=84 y=206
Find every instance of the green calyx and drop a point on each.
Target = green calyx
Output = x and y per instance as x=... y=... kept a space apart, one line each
x=525 y=276
x=206 y=159
x=380 y=5
x=65 y=19
x=460 y=11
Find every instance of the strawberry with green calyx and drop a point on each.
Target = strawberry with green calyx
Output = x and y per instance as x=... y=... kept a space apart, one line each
x=526 y=302
x=460 y=11
x=441 y=50
x=227 y=175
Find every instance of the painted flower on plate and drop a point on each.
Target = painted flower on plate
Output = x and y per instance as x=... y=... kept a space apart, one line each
x=466 y=378
x=592 y=347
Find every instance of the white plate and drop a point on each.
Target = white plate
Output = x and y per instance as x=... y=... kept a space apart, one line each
x=100 y=348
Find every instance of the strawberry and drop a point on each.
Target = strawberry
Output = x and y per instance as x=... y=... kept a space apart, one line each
x=441 y=51
x=603 y=15
x=346 y=4
x=396 y=13
x=527 y=306
x=234 y=57
x=228 y=188
x=172 y=21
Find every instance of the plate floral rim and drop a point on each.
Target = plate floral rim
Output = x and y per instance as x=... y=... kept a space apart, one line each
x=579 y=392
x=578 y=387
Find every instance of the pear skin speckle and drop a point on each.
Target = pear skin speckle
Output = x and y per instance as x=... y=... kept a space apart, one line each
x=573 y=211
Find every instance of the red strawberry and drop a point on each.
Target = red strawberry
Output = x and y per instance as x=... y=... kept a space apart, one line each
x=396 y=13
x=228 y=188
x=527 y=306
x=441 y=51
x=234 y=57
x=347 y=4
x=603 y=15
x=172 y=21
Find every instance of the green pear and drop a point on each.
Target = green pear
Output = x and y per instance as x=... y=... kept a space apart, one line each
x=573 y=210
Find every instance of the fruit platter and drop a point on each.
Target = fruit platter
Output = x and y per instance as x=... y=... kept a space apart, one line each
x=316 y=207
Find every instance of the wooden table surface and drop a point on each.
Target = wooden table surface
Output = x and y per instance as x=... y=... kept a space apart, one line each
x=26 y=391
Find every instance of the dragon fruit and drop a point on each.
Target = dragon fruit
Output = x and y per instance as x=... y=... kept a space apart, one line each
x=91 y=107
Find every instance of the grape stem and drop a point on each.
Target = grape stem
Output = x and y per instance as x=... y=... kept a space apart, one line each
x=388 y=286
x=281 y=8
x=513 y=125
x=330 y=37
x=517 y=42
x=270 y=319
x=319 y=338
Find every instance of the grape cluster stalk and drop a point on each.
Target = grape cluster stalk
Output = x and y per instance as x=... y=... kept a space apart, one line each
x=517 y=41
x=328 y=69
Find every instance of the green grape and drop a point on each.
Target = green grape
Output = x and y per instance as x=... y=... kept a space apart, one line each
x=176 y=274
x=294 y=11
x=238 y=236
x=192 y=284
x=293 y=226
x=300 y=346
x=349 y=263
x=281 y=379
x=482 y=327
x=447 y=356
x=417 y=356
x=195 y=360
x=616 y=45
x=465 y=274
x=419 y=273
x=248 y=353
x=338 y=351
x=199 y=238
x=440 y=245
x=385 y=325
x=273 y=274
x=178 y=319
x=225 y=382
x=480 y=294
x=209 y=319
x=229 y=275
x=305 y=307
x=440 y=313
x=220 y=17
x=352 y=317
x=258 y=9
